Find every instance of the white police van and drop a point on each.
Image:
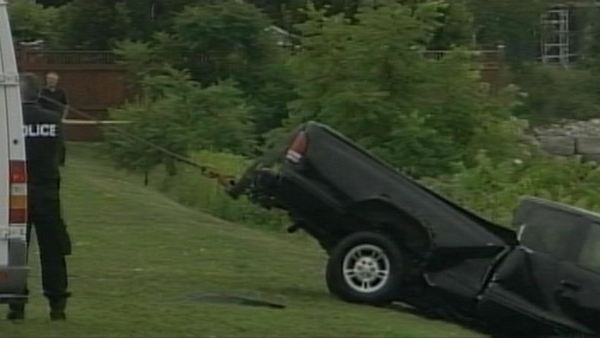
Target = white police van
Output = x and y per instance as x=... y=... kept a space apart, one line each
x=13 y=173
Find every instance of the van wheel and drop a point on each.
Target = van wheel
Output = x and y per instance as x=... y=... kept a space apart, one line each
x=366 y=267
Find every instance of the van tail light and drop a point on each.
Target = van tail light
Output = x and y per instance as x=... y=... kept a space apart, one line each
x=18 y=192
x=298 y=148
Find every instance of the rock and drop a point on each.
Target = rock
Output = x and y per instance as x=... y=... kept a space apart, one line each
x=558 y=145
x=552 y=132
x=528 y=139
x=588 y=145
x=592 y=158
x=589 y=128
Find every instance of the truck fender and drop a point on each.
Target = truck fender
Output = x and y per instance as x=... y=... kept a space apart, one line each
x=398 y=222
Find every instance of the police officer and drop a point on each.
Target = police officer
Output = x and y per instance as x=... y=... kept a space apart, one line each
x=55 y=99
x=43 y=139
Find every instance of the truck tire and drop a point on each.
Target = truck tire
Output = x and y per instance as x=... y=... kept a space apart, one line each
x=366 y=267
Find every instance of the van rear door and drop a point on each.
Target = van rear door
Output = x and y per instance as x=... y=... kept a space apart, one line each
x=13 y=176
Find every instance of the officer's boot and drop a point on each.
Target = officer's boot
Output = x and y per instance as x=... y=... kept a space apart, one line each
x=16 y=312
x=57 y=309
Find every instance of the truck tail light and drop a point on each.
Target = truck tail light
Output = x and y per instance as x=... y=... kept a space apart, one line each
x=18 y=192
x=298 y=148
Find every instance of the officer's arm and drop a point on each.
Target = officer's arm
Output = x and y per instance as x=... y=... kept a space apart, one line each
x=61 y=144
x=65 y=106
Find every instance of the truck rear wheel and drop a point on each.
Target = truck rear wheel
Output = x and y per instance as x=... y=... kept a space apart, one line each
x=366 y=267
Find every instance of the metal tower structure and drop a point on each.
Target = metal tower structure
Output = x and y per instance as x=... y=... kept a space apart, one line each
x=556 y=36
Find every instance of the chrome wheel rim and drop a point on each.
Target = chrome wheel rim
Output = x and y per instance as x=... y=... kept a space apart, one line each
x=366 y=268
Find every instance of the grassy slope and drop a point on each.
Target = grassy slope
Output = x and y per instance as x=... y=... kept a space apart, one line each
x=141 y=261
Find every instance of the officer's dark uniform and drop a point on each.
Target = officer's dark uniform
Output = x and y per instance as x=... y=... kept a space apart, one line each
x=43 y=139
x=56 y=101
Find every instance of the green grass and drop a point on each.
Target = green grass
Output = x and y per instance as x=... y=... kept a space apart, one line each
x=191 y=189
x=141 y=261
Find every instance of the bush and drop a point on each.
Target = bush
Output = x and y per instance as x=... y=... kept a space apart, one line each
x=192 y=189
x=93 y=24
x=493 y=190
x=180 y=116
x=555 y=93
x=31 y=21
x=217 y=41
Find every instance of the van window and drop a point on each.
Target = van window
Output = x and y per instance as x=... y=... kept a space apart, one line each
x=589 y=257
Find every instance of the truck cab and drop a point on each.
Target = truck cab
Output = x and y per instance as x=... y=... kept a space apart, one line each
x=554 y=273
x=13 y=173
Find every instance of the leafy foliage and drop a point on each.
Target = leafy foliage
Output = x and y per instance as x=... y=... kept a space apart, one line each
x=493 y=189
x=30 y=21
x=370 y=80
x=93 y=24
x=216 y=42
x=456 y=27
x=148 y=17
x=179 y=115
x=554 y=93
x=47 y=3
x=512 y=23
x=588 y=39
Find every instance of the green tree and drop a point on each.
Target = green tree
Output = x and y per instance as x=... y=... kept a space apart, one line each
x=52 y=3
x=147 y=17
x=456 y=26
x=222 y=41
x=229 y=35
x=30 y=21
x=493 y=189
x=94 y=24
x=178 y=115
x=286 y=13
x=370 y=80
x=282 y=13
x=554 y=93
x=589 y=37
x=513 y=23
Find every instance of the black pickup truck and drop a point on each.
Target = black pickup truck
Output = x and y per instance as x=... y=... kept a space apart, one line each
x=390 y=238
